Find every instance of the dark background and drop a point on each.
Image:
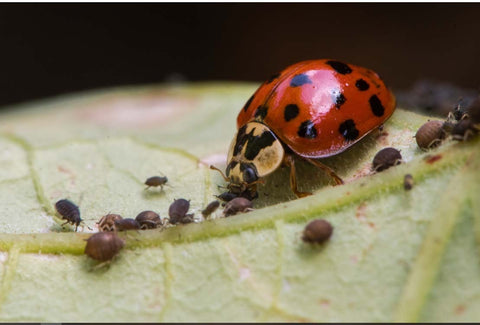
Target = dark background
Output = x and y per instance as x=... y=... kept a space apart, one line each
x=50 y=49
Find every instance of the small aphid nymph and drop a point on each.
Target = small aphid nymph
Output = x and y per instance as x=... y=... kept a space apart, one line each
x=464 y=130
x=148 y=220
x=155 y=181
x=103 y=246
x=107 y=222
x=211 y=207
x=408 y=182
x=126 y=224
x=69 y=211
x=317 y=231
x=239 y=204
x=386 y=158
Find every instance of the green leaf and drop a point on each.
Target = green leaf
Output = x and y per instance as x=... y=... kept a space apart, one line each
x=395 y=255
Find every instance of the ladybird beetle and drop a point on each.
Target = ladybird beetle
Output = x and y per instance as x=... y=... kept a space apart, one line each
x=312 y=109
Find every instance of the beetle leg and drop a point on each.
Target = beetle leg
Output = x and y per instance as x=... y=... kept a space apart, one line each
x=326 y=169
x=289 y=161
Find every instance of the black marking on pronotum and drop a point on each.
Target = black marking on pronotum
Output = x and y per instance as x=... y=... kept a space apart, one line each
x=376 y=106
x=231 y=166
x=300 y=80
x=261 y=112
x=256 y=143
x=247 y=104
x=307 y=130
x=348 y=130
x=340 y=67
x=240 y=140
x=291 y=111
x=362 y=85
x=273 y=77
x=338 y=98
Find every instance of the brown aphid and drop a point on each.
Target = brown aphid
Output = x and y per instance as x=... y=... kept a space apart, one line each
x=226 y=196
x=155 y=181
x=386 y=158
x=408 y=182
x=177 y=212
x=464 y=130
x=430 y=135
x=103 y=246
x=69 y=211
x=107 y=222
x=211 y=207
x=148 y=220
x=317 y=231
x=126 y=224
x=239 y=204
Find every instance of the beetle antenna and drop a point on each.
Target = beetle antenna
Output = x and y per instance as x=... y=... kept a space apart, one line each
x=221 y=173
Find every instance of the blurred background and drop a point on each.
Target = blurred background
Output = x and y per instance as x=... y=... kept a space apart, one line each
x=428 y=53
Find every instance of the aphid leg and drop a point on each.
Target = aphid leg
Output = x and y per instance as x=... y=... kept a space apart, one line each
x=221 y=173
x=289 y=161
x=326 y=169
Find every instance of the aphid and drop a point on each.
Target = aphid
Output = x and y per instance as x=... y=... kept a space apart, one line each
x=107 y=222
x=211 y=207
x=239 y=204
x=430 y=135
x=312 y=109
x=458 y=114
x=156 y=181
x=126 y=224
x=103 y=246
x=317 y=231
x=69 y=211
x=386 y=158
x=149 y=220
x=178 y=212
x=408 y=182
x=464 y=130
x=226 y=196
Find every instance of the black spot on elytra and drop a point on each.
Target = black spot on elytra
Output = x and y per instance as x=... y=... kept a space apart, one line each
x=261 y=112
x=256 y=143
x=339 y=100
x=307 y=130
x=362 y=85
x=376 y=106
x=273 y=77
x=348 y=130
x=291 y=112
x=340 y=67
x=300 y=80
x=247 y=104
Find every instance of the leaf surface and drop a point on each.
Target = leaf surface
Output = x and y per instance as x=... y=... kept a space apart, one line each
x=395 y=255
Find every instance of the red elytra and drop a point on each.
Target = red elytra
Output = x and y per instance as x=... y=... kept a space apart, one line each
x=319 y=108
